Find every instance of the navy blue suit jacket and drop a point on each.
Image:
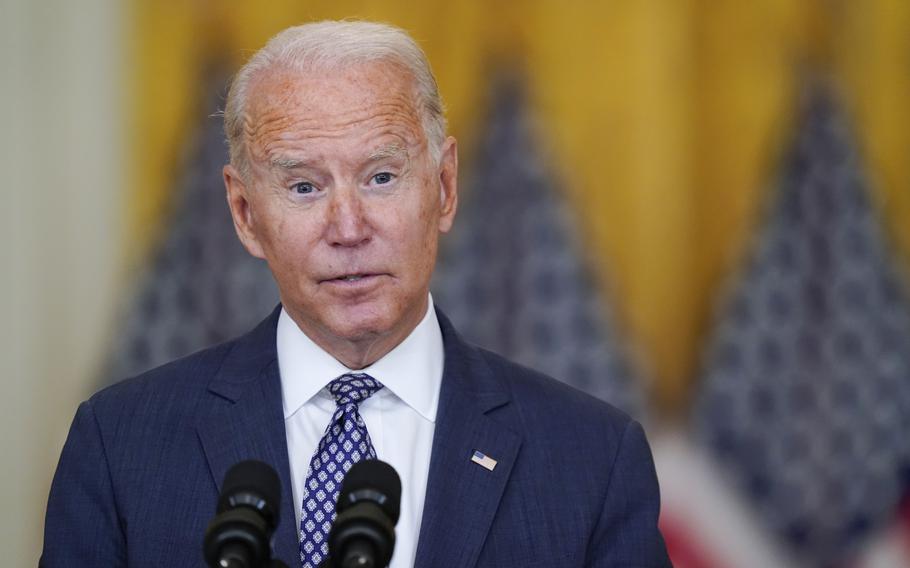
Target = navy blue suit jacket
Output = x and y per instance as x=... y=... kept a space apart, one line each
x=139 y=476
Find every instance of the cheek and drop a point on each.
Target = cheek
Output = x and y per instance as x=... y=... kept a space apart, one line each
x=288 y=243
x=418 y=240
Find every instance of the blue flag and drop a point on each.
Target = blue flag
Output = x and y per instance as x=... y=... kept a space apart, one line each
x=201 y=287
x=512 y=277
x=805 y=398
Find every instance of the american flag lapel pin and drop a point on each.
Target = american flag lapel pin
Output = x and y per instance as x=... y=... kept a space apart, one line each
x=483 y=460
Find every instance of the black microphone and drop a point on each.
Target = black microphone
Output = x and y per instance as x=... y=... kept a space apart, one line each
x=239 y=535
x=363 y=535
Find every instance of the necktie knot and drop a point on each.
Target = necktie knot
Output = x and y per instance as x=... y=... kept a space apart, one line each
x=353 y=388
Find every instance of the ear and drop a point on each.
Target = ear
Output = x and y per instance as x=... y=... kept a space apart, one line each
x=241 y=210
x=448 y=184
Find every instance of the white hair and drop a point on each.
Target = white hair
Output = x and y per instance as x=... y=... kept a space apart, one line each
x=334 y=45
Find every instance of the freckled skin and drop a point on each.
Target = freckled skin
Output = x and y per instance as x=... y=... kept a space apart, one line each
x=341 y=183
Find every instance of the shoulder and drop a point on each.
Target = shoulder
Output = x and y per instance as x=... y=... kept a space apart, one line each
x=538 y=397
x=160 y=392
x=177 y=385
x=175 y=378
x=540 y=394
x=561 y=424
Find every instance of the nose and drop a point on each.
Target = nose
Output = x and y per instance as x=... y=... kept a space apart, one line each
x=347 y=222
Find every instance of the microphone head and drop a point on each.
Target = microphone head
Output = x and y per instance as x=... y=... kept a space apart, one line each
x=253 y=484
x=375 y=481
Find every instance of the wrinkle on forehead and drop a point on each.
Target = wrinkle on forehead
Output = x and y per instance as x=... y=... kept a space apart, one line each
x=289 y=108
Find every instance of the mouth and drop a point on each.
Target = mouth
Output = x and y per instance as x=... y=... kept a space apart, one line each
x=354 y=279
x=351 y=277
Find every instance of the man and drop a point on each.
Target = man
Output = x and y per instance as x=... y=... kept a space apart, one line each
x=342 y=178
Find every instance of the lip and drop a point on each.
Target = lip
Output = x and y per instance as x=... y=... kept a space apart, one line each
x=361 y=281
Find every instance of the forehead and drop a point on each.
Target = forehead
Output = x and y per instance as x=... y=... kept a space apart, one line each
x=363 y=101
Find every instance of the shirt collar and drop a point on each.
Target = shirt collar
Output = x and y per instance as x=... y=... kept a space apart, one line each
x=412 y=371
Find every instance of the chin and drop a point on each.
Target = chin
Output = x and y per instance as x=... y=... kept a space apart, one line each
x=359 y=324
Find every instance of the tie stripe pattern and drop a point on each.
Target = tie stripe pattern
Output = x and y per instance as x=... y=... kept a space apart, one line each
x=345 y=442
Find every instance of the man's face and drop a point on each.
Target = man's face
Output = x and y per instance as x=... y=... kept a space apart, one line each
x=344 y=202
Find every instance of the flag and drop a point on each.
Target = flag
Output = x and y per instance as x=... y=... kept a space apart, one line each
x=805 y=398
x=705 y=522
x=511 y=275
x=201 y=287
x=484 y=460
x=889 y=548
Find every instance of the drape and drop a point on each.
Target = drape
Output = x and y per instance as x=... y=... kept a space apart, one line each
x=663 y=120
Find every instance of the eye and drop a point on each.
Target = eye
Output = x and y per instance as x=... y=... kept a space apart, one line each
x=303 y=188
x=383 y=178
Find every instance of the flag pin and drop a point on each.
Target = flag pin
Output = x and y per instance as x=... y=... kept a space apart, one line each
x=483 y=460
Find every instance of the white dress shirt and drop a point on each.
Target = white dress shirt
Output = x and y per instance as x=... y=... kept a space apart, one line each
x=400 y=418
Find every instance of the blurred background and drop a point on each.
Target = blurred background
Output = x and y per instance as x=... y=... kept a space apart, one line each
x=698 y=210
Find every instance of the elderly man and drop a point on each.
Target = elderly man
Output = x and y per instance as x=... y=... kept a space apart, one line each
x=341 y=179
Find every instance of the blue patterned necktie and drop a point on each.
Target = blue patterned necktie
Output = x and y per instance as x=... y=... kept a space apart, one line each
x=345 y=442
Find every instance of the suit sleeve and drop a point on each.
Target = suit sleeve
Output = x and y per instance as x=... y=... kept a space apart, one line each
x=82 y=526
x=627 y=533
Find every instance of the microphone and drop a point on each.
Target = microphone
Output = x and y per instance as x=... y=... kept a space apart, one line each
x=239 y=535
x=368 y=507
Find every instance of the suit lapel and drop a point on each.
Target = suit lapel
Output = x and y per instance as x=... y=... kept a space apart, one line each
x=244 y=420
x=462 y=496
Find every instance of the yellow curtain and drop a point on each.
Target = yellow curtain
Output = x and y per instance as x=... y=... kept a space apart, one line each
x=663 y=119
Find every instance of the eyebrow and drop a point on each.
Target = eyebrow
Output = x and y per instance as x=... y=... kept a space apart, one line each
x=287 y=163
x=390 y=151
